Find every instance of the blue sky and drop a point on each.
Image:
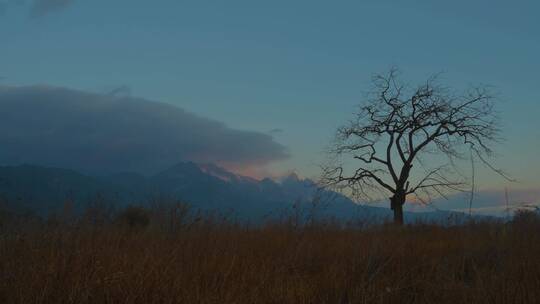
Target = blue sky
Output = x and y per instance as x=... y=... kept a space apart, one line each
x=297 y=66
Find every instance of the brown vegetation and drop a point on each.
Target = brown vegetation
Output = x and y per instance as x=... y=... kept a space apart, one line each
x=212 y=261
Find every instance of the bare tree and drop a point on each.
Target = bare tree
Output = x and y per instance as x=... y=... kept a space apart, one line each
x=398 y=128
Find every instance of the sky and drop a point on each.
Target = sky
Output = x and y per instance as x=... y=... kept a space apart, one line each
x=277 y=76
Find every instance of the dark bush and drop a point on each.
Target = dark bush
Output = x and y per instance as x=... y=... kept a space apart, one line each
x=526 y=217
x=134 y=217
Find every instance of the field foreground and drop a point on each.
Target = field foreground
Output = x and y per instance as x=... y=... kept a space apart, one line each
x=277 y=263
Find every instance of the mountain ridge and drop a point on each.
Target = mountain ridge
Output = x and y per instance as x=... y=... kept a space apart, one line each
x=204 y=186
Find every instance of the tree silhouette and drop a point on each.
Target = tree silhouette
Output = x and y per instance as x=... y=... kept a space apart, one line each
x=398 y=127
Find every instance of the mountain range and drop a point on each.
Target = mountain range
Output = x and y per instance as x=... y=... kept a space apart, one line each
x=205 y=187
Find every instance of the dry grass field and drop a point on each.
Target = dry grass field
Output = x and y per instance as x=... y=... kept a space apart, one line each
x=216 y=262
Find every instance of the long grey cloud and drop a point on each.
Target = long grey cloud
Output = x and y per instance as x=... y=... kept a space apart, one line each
x=100 y=133
x=43 y=7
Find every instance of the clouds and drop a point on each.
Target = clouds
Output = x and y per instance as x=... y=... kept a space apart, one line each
x=276 y=131
x=42 y=7
x=99 y=133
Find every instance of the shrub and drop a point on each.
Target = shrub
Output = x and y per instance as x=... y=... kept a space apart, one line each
x=526 y=217
x=134 y=217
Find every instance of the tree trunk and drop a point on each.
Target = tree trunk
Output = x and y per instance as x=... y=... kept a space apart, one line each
x=396 y=204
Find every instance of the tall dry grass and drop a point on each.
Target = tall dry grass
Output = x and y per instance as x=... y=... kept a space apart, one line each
x=218 y=262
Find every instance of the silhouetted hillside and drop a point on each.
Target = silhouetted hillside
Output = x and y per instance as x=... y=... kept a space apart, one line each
x=205 y=187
